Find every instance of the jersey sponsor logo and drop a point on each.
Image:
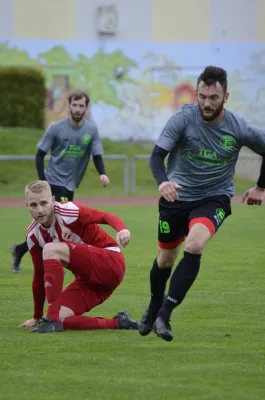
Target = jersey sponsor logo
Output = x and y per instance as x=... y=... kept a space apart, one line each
x=207 y=153
x=208 y=157
x=227 y=142
x=74 y=151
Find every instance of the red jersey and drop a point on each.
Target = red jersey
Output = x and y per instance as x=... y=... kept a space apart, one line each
x=74 y=223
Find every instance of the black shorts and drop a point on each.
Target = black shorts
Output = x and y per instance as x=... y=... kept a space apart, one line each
x=176 y=219
x=61 y=193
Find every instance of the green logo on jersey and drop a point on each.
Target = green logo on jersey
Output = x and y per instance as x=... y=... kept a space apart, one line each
x=220 y=214
x=86 y=138
x=207 y=157
x=73 y=150
x=227 y=142
x=164 y=227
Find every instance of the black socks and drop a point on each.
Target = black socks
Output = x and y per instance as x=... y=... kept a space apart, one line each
x=22 y=248
x=181 y=281
x=158 y=282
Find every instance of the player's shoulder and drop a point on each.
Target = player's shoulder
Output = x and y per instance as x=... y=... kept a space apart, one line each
x=68 y=211
x=230 y=115
x=58 y=125
x=189 y=112
x=235 y=121
x=32 y=229
x=90 y=126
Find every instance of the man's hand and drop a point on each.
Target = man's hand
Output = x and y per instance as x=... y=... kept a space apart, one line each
x=169 y=190
x=104 y=179
x=254 y=196
x=123 y=237
x=29 y=323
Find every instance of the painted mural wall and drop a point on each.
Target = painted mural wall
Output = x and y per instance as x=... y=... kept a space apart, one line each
x=135 y=87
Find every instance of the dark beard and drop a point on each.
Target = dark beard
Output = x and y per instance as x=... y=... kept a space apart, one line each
x=77 y=118
x=209 y=118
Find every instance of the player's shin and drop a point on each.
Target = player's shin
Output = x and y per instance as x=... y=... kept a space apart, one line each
x=82 y=322
x=181 y=281
x=53 y=283
x=158 y=280
x=122 y=320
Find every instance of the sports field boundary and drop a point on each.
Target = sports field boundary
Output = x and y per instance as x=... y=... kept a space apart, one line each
x=97 y=201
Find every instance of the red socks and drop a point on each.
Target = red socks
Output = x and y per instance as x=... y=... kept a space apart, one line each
x=81 y=322
x=53 y=283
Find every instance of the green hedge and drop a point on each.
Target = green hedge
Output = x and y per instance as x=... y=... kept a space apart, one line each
x=22 y=97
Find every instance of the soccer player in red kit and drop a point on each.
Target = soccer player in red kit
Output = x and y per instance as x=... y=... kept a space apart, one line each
x=66 y=235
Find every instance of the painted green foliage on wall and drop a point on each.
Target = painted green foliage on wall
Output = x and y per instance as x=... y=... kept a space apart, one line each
x=95 y=74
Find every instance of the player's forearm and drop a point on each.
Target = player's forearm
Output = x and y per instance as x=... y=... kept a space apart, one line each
x=115 y=222
x=39 y=162
x=38 y=291
x=105 y=218
x=157 y=164
x=261 y=180
x=99 y=164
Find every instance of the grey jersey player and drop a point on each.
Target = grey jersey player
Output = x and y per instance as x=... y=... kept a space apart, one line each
x=202 y=142
x=71 y=142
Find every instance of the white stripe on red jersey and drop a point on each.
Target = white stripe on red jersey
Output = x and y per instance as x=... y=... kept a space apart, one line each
x=32 y=225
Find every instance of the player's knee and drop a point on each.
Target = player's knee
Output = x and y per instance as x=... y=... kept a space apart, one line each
x=50 y=251
x=194 y=246
x=57 y=251
x=166 y=258
x=65 y=312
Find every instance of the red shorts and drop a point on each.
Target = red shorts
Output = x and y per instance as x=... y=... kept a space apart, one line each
x=97 y=272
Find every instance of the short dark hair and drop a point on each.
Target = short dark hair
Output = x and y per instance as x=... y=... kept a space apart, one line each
x=211 y=75
x=77 y=95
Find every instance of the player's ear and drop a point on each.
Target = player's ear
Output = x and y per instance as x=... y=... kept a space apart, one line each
x=53 y=198
x=226 y=97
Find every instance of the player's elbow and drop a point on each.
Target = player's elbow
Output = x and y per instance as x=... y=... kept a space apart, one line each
x=157 y=158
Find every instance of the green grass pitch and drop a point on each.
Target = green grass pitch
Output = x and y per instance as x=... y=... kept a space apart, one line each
x=218 y=350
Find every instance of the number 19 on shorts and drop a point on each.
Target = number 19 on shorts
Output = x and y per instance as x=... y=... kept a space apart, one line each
x=164 y=227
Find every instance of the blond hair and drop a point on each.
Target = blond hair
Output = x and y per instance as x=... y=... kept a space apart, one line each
x=37 y=187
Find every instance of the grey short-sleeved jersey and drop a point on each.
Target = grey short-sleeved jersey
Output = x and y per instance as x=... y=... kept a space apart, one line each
x=71 y=148
x=202 y=157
